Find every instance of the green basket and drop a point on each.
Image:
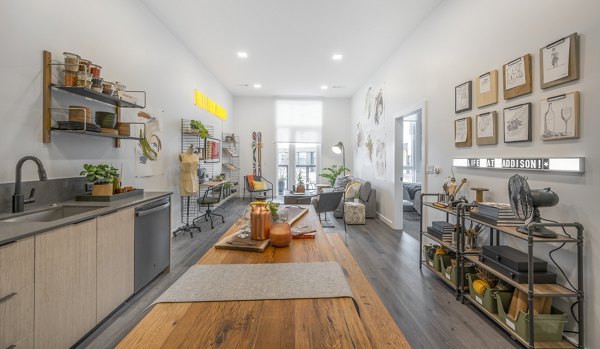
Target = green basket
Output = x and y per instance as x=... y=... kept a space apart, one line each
x=547 y=327
x=439 y=260
x=488 y=301
x=451 y=273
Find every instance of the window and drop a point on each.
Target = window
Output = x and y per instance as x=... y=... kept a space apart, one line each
x=299 y=128
x=412 y=148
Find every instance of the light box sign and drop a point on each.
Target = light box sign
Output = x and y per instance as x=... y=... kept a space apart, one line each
x=573 y=165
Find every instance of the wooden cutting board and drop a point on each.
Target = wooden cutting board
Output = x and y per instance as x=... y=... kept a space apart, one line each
x=295 y=213
x=233 y=242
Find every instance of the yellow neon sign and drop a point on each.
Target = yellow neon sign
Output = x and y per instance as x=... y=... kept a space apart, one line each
x=209 y=105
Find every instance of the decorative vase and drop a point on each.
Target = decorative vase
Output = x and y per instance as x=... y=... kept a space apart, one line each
x=105 y=189
x=356 y=200
x=300 y=188
x=260 y=221
x=280 y=234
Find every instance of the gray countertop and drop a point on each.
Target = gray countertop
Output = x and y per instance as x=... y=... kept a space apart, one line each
x=12 y=231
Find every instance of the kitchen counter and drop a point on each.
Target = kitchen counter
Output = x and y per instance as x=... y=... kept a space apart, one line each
x=13 y=231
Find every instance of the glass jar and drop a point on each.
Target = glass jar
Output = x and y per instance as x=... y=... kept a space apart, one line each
x=70 y=78
x=95 y=69
x=84 y=65
x=71 y=61
x=108 y=88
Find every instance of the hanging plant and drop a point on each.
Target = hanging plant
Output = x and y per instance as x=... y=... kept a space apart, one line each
x=200 y=128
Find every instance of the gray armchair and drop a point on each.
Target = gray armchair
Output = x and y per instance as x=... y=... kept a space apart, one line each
x=327 y=202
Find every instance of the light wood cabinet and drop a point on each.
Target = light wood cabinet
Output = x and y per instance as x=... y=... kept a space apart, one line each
x=65 y=284
x=114 y=260
x=25 y=343
x=16 y=291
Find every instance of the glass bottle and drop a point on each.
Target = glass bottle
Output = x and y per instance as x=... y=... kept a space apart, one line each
x=549 y=122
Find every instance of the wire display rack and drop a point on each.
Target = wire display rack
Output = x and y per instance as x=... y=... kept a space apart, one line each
x=231 y=161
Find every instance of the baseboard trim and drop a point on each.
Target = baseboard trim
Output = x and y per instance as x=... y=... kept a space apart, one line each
x=385 y=220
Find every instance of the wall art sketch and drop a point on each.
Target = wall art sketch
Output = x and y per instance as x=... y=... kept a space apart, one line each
x=369 y=102
x=379 y=107
x=516 y=75
x=560 y=117
x=517 y=123
x=462 y=97
x=380 y=159
x=487 y=128
x=148 y=161
x=462 y=132
x=369 y=148
x=559 y=61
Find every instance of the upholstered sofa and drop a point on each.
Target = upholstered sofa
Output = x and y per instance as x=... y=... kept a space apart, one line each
x=367 y=196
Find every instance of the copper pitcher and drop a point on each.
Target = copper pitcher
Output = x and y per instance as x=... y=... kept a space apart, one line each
x=260 y=221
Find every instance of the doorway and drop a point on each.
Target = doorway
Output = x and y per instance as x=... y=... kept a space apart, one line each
x=408 y=160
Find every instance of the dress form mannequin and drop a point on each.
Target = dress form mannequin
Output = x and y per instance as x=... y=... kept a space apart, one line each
x=188 y=168
x=188 y=184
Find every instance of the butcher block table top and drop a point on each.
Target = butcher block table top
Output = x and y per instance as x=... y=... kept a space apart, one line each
x=295 y=323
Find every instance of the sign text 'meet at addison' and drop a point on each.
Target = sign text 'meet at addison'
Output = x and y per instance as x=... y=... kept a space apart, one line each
x=536 y=164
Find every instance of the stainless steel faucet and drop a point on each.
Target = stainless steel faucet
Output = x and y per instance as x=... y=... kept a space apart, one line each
x=18 y=199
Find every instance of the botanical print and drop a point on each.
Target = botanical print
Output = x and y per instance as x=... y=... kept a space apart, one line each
x=461 y=131
x=485 y=125
x=359 y=136
x=463 y=97
x=379 y=107
x=369 y=102
x=517 y=123
x=380 y=159
x=556 y=60
x=485 y=83
x=369 y=146
x=515 y=73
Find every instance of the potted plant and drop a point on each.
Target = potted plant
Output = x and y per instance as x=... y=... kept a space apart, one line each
x=356 y=197
x=333 y=173
x=273 y=208
x=300 y=188
x=102 y=176
x=280 y=184
x=200 y=128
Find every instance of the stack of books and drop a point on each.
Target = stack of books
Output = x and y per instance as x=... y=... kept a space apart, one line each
x=442 y=230
x=496 y=214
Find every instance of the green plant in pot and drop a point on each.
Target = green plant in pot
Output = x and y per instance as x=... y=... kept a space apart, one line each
x=300 y=188
x=200 y=128
x=273 y=208
x=332 y=173
x=102 y=176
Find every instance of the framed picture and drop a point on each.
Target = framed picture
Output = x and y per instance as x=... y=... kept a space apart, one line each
x=487 y=128
x=212 y=150
x=462 y=132
x=517 y=123
x=516 y=75
x=462 y=97
x=486 y=89
x=559 y=61
x=560 y=117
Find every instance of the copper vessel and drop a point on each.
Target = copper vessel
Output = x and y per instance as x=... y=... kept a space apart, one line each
x=260 y=221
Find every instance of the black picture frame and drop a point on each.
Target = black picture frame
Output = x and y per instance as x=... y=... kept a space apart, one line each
x=462 y=105
x=210 y=143
x=506 y=127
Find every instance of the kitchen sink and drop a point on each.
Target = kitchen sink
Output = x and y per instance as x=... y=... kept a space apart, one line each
x=50 y=214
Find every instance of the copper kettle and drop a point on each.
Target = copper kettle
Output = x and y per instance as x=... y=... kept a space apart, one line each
x=260 y=221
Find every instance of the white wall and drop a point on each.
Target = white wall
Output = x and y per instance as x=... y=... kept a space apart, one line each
x=465 y=38
x=132 y=46
x=258 y=114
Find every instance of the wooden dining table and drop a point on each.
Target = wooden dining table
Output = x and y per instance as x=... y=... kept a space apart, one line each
x=290 y=323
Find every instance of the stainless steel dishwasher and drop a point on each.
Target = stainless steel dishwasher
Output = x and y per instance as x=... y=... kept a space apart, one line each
x=152 y=244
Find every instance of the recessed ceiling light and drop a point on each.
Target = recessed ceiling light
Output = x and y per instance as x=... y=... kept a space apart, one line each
x=324 y=87
x=242 y=54
x=337 y=57
x=257 y=85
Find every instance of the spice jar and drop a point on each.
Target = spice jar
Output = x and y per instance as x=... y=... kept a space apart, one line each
x=95 y=69
x=97 y=84
x=70 y=78
x=84 y=65
x=260 y=221
x=71 y=61
x=81 y=79
x=108 y=88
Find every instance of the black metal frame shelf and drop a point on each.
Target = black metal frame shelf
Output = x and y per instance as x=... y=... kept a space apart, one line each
x=95 y=134
x=532 y=289
x=101 y=97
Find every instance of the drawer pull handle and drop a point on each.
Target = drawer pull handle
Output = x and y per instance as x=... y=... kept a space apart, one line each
x=12 y=347
x=5 y=298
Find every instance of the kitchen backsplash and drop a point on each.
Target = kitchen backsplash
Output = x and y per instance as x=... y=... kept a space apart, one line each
x=46 y=192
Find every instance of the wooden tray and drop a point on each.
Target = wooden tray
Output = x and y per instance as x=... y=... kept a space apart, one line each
x=114 y=197
x=295 y=213
x=233 y=242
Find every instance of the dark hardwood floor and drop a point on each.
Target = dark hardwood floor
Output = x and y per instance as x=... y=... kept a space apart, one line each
x=423 y=306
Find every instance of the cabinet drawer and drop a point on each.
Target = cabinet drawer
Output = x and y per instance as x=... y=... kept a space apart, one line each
x=16 y=266
x=25 y=343
x=16 y=313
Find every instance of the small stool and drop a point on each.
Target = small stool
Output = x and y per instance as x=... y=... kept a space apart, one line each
x=354 y=213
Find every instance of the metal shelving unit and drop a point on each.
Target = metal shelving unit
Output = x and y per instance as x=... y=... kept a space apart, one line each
x=532 y=289
x=231 y=161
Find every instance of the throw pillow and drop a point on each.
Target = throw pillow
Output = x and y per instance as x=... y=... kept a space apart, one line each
x=250 y=180
x=341 y=182
x=352 y=190
x=258 y=185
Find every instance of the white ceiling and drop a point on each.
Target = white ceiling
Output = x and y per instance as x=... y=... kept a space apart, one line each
x=290 y=42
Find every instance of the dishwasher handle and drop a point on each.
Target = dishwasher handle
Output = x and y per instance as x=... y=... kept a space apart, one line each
x=142 y=213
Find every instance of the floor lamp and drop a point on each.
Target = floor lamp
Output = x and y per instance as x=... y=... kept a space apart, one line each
x=339 y=149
